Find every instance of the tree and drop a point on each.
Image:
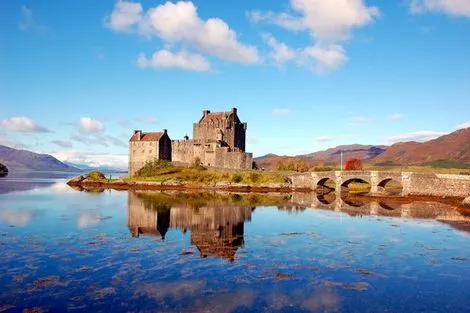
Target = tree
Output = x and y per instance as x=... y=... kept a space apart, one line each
x=3 y=170
x=353 y=165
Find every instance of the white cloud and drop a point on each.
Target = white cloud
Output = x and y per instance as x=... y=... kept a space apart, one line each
x=280 y=52
x=180 y=23
x=89 y=126
x=148 y=120
x=451 y=7
x=395 y=117
x=419 y=136
x=117 y=142
x=327 y=57
x=62 y=143
x=167 y=59
x=93 y=139
x=463 y=125
x=325 y=138
x=22 y=124
x=93 y=159
x=28 y=24
x=358 y=120
x=283 y=20
x=280 y=111
x=329 y=23
x=124 y=16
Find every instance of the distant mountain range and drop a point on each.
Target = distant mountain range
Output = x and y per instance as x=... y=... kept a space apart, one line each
x=23 y=160
x=452 y=150
x=87 y=168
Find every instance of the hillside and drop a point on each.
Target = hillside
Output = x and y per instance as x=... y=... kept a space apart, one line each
x=23 y=160
x=452 y=150
x=333 y=155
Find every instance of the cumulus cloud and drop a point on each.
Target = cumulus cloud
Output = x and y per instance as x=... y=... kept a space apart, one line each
x=451 y=7
x=419 y=136
x=280 y=52
x=180 y=23
x=89 y=126
x=182 y=59
x=463 y=125
x=62 y=143
x=22 y=124
x=327 y=57
x=124 y=16
x=329 y=23
x=280 y=111
x=395 y=117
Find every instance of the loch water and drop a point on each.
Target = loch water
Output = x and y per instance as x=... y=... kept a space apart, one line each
x=64 y=249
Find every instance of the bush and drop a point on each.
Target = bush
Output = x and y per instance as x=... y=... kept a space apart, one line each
x=95 y=175
x=354 y=165
x=3 y=170
x=237 y=178
x=155 y=168
x=323 y=169
x=254 y=177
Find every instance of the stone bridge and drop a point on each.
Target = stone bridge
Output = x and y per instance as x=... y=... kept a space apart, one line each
x=425 y=184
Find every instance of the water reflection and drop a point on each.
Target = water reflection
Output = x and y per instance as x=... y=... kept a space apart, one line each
x=216 y=228
x=216 y=220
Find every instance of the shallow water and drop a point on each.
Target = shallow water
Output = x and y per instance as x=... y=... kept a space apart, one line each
x=64 y=249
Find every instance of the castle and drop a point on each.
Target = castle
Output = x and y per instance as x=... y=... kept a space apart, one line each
x=219 y=140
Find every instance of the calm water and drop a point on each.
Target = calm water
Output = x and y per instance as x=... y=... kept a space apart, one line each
x=63 y=249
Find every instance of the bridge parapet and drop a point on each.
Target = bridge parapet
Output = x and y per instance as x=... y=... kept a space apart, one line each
x=412 y=183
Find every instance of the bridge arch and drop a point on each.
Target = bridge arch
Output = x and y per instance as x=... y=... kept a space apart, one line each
x=356 y=185
x=326 y=185
x=390 y=186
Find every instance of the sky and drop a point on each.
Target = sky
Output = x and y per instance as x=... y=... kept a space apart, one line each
x=77 y=77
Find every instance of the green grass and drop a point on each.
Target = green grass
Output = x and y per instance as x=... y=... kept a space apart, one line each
x=447 y=164
x=162 y=171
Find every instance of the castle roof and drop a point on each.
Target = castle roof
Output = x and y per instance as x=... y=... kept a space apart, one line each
x=209 y=116
x=154 y=136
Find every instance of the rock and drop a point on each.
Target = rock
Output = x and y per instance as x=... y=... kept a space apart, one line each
x=76 y=180
x=466 y=202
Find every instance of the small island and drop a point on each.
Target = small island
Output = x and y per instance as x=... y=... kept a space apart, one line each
x=3 y=170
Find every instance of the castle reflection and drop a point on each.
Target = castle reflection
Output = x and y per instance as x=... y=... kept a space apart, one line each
x=216 y=225
x=216 y=220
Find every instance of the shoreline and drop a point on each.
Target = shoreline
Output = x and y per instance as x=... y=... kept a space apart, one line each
x=272 y=188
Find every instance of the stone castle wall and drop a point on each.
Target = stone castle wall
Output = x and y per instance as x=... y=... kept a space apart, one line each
x=141 y=152
x=209 y=154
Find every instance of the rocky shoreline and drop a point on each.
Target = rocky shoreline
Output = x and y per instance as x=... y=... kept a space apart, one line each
x=120 y=184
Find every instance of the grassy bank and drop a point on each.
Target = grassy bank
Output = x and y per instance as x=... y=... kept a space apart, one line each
x=162 y=171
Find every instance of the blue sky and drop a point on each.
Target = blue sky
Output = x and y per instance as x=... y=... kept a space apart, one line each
x=77 y=77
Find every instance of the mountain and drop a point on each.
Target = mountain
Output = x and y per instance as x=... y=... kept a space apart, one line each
x=333 y=155
x=23 y=160
x=87 y=168
x=452 y=150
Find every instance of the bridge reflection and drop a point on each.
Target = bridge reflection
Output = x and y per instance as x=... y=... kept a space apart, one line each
x=216 y=221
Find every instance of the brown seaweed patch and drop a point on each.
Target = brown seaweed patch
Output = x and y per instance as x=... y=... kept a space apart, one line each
x=365 y=272
x=279 y=275
x=102 y=293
